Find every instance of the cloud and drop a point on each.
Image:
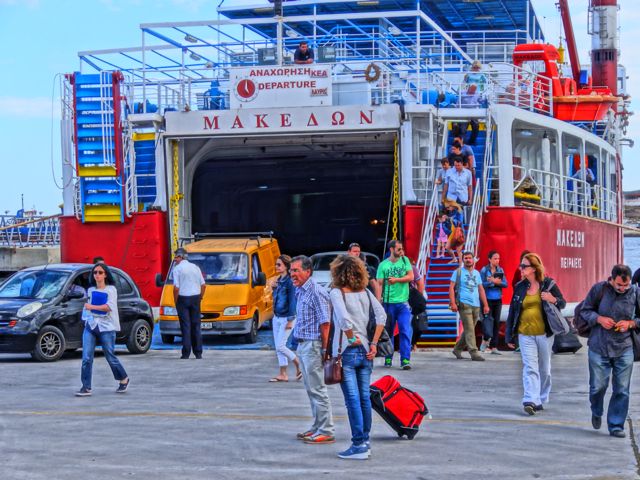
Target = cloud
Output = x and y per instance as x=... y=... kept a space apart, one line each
x=24 y=107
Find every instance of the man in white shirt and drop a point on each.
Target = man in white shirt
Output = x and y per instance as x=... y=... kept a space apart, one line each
x=188 y=290
x=458 y=185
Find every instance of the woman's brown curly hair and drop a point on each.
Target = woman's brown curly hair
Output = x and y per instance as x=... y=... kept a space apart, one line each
x=349 y=272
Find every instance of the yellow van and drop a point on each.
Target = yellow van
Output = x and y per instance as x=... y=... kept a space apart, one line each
x=237 y=300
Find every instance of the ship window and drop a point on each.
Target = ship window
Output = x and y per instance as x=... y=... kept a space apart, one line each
x=536 y=165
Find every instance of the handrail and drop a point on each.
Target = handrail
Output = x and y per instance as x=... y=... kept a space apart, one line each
x=480 y=195
x=426 y=236
x=20 y=232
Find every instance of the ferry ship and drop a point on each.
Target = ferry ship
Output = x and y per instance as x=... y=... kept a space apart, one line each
x=210 y=126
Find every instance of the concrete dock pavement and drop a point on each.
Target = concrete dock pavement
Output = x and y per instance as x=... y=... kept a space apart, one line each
x=219 y=418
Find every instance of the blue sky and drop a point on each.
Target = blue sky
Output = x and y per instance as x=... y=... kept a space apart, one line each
x=40 y=39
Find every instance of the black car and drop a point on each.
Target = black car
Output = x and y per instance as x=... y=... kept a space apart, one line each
x=41 y=311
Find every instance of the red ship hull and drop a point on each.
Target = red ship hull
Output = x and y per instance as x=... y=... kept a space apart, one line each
x=138 y=246
x=576 y=251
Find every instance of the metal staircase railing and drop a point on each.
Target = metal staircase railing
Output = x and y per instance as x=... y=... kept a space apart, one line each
x=429 y=218
x=129 y=159
x=479 y=204
x=107 y=118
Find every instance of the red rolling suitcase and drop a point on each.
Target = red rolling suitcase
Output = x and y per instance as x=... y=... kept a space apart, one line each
x=401 y=408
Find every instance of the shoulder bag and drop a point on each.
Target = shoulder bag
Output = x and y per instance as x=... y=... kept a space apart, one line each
x=333 y=365
x=557 y=323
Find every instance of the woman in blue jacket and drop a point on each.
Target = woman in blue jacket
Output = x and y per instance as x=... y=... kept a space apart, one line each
x=493 y=281
x=284 y=316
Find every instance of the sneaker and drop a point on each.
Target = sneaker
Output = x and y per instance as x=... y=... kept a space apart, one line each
x=387 y=362
x=83 y=392
x=618 y=433
x=122 y=387
x=495 y=351
x=320 y=438
x=596 y=422
x=484 y=345
x=355 y=452
x=457 y=354
x=303 y=435
x=529 y=408
x=538 y=408
x=405 y=364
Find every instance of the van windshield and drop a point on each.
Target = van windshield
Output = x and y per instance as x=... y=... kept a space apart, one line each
x=220 y=267
x=39 y=284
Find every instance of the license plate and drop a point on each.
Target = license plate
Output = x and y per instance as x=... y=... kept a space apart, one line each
x=206 y=325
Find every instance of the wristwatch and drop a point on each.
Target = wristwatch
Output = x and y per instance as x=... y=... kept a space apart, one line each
x=375 y=344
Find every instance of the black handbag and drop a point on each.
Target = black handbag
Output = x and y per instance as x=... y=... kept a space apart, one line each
x=417 y=302
x=385 y=347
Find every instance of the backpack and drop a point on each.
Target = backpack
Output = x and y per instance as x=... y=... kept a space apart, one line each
x=579 y=322
x=456 y=287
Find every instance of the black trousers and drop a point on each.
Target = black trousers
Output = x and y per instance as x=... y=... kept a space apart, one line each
x=491 y=323
x=189 y=315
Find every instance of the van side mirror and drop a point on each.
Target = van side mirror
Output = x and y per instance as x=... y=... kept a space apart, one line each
x=261 y=281
x=159 y=280
x=76 y=292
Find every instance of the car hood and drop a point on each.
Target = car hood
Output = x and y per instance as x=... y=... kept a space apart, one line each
x=12 y=305
x=323 y=277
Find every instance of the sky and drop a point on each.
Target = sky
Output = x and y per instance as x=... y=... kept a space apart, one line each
x=39 y=40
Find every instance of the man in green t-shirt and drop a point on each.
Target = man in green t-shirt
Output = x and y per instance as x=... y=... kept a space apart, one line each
x=394 y=275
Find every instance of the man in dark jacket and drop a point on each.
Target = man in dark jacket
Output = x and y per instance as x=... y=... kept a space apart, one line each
x=611 y=310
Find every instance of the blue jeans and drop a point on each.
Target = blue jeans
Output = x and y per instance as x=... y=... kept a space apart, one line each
x=356 y=376
x=599 y=372
x=108 y=341
x=401 y=314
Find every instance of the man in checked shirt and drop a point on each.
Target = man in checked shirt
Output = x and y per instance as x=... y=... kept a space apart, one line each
x=312 y=332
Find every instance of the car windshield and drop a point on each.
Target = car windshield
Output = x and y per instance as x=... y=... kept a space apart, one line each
x=322 y=262
x=220 y=267
x=39 y=284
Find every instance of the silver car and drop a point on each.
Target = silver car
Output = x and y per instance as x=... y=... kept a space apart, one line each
x=321 y=262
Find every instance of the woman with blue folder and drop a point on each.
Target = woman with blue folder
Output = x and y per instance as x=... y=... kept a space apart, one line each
x=102 y=322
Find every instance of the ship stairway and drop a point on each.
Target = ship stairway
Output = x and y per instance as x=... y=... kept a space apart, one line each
x=144 y=148
x=444 y=328
x=98 y=144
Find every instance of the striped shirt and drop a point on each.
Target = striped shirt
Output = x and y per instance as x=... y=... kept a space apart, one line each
x=312 y=310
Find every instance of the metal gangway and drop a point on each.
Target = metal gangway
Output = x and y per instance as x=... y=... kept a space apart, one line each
x=33 y=231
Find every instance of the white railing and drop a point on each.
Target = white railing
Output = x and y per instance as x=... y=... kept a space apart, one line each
x=426 y=236
x=129 y=163
x=480 y=197
x=560 y=192
x=404 y=79
x=106 y=111
x=77 y=204
x=29 y=231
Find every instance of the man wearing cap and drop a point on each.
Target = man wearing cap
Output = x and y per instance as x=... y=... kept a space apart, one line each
x=188 y=290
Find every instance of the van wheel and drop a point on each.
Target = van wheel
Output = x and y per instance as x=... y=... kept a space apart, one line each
x=139 y=340
x=168 y=339
x=252 y=336
x=50 y=344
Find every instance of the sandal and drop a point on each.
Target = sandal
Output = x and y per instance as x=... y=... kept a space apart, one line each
x=299 y=375
x=276 y=379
